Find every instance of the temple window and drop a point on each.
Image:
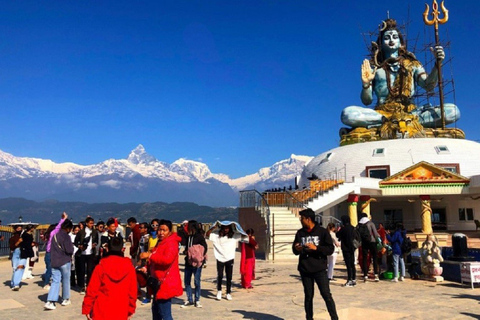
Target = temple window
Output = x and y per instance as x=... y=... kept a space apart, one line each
x=378 y=152
x=442 y=149
x=327 y=157
x=452 y=167
x=378 y=172
x=465 y=214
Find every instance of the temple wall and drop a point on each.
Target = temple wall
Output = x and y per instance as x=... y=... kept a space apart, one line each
x=250 y=218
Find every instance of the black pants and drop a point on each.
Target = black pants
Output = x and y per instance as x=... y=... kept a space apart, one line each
x=308 y=281
x=86 y=263
x=349 y=257
x=372 y=248
x=228 y=266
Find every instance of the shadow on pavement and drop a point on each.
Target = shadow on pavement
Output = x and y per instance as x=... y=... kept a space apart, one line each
x=256 y=315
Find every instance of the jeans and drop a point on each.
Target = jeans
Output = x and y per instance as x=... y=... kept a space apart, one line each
x=308 y=281
x=60 y=274
x=349 y=258
x=162 y=309
x=197 y=272
x=228 y=266
x=17 y=272
x=48 y=269
x=396 y=258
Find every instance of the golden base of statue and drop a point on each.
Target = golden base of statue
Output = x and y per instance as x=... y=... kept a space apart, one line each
x=400 y=125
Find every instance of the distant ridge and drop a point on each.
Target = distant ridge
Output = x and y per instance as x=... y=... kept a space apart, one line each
x=49 y=211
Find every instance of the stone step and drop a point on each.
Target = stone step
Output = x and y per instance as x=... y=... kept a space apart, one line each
x=285 y=231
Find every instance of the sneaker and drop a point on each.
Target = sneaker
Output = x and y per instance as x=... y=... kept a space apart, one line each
x=16 y=288
x=219 y=295
x=186 y=304
x=66 y=302
x=47 y=287
x=348 y=284
x=365 y=278
x=82 y=291
x=198 y=304
x=146 y=301
x=229 y=296
x=376 y=278
x=402 y=278
x=50 y=306
x=354 y=283
x=394 y=280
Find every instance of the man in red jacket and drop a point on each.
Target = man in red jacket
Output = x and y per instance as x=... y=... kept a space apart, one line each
x=112 y=291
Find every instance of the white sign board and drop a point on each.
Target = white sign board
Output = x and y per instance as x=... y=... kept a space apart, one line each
x=470 y=272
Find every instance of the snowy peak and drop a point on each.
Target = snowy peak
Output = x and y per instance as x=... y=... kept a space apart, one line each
x=281 y=173
x=197 y=170
x=140 y=156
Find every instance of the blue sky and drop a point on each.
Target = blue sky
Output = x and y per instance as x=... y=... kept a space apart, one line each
x=237 y=85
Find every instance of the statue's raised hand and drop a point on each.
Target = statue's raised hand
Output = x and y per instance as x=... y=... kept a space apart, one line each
x=367 y=74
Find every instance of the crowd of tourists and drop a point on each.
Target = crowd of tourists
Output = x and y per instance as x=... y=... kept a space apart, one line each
x=90 y=258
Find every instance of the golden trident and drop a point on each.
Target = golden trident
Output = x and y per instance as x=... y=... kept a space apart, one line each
x=436 y=21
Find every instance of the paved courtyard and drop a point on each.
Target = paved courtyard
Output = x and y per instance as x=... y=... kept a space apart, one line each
x=277 y=295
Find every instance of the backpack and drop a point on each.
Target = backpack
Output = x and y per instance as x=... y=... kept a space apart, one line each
x=357 y=238
x=406 y=245
x=364 y=232
x=195 y=255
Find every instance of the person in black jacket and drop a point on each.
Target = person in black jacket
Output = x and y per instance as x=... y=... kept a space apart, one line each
x=86 y=241
x=345 y=235
x=313 y=244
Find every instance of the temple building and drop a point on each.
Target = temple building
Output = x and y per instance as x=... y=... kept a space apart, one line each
x=397 y=162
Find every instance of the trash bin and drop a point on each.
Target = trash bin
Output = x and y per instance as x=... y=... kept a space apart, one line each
x=459 y=244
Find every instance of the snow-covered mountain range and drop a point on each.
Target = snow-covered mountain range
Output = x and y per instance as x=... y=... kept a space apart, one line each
x=139 y=177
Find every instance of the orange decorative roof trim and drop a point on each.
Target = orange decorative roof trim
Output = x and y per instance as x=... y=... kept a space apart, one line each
x=425 y=173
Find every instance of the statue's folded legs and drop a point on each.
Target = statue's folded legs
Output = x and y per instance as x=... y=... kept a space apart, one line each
x=428 y=116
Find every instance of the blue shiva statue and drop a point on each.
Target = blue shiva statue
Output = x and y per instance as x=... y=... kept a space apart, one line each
x=393 y=79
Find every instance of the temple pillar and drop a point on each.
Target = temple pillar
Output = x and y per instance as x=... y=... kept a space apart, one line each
x=365 y=205
x=352 y=208
x=426 y=215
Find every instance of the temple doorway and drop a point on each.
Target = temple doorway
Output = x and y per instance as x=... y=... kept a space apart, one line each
x=439 y=219
x=392 y=217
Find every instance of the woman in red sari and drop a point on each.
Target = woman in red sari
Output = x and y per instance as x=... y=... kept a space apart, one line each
x=247 y=263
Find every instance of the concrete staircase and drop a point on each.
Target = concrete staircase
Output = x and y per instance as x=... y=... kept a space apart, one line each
x=331 y=197
x=284 y=224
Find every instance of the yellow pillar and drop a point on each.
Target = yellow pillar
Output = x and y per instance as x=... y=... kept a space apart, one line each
x=352 y=209
x=365 y=205
x=426 y=215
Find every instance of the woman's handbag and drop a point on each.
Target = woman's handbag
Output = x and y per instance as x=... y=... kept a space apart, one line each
x=154 y=284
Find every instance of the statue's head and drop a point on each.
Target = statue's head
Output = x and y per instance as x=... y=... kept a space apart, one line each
x=389 y=39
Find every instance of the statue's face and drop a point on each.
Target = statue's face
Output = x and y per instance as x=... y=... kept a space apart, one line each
x=391 y=41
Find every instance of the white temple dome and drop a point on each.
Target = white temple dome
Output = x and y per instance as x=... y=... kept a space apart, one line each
x=352 y=160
